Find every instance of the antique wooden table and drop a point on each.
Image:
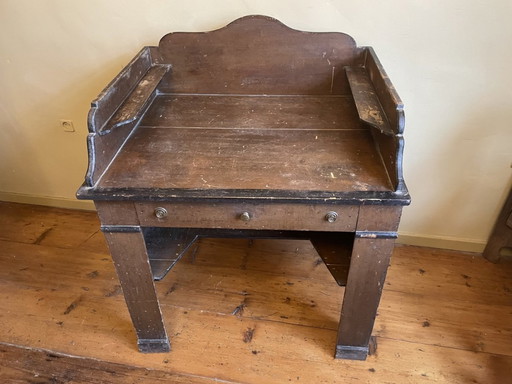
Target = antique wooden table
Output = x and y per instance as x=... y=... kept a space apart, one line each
x=253 y=130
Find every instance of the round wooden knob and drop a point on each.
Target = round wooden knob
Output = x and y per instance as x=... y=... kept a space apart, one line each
x=160 y=212
x=331 y=216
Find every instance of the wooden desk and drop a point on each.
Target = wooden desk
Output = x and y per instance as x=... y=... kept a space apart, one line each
x=252 y=130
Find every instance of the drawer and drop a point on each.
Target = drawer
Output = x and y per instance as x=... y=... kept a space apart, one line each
x=316 y=217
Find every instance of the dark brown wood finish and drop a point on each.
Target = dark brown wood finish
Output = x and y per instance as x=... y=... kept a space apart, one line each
x=128 y=250
x=366 y=100
x=253 y=130
x=371 y=252
x=266 y=159
x=299 y=217
x=252 y=112
x=368 y=267
x=137 y=101
x=117 y=212
x=500 y=240
x=103 y=149
x=390 y=146
x=258 y=55
x=385 y=91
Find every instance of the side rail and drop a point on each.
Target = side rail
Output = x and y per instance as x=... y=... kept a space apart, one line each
x=379 y=106
x=117 y=109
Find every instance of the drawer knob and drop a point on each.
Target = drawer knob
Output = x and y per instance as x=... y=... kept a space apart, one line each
x=161 y=212
x=331 y=216
x=245 y=216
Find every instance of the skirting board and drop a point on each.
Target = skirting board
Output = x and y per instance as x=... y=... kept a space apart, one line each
x=57 y=202
x=444 y=242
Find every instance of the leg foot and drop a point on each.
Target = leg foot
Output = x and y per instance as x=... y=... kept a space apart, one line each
x=154 y=345
x=350 y=352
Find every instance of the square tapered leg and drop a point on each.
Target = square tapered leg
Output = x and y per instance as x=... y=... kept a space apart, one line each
x=128 y=250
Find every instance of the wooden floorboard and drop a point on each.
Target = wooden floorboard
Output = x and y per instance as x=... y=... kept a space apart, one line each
x=239 y=311
x=38 y=366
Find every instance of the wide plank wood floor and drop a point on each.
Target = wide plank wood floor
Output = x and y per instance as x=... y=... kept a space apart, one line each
x=239 y=311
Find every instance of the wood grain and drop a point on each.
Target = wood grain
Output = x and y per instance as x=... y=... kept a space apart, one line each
x=366 y=101
x=136 y=101
x=258 y=55
x=132 y=265
x=252 y=111
x=444 y=316
x=117 y=212
x=115 y=93
x=368 y=267
x=234 y=159
x=388 y=97
x=297 y=217
x=39 y=366
x=35 y=224
x=101 y=150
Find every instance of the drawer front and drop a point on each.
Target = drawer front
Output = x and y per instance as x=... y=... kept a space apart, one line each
x=316 y=217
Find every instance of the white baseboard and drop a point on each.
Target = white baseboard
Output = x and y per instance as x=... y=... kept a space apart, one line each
x=421 y=240
x=58 y=202
x=444 y=242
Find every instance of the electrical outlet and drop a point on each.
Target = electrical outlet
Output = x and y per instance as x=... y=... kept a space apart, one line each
x=67 y=125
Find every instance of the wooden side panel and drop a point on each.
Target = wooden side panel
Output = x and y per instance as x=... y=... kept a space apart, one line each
x=255 y=55
x=379 y=218
x=117 y=212
x=366 y=100
x=109 y=100
x=138 y=100
x=101 y=150
x=389 y=99
x=391 y=149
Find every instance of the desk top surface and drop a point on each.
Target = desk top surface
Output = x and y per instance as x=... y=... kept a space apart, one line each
x=232 y=142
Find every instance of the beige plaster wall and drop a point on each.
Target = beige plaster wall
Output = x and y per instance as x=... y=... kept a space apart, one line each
x=449 y=60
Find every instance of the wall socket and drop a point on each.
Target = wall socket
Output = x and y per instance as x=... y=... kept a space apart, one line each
x=67 y=125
